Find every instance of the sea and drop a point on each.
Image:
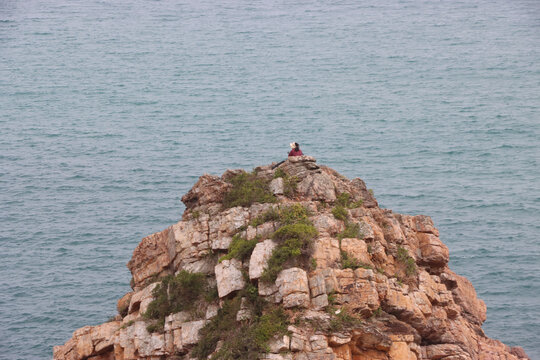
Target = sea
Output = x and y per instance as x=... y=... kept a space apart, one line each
x=111 y=110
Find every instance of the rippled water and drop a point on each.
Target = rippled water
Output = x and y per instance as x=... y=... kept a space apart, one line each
x=110 y=110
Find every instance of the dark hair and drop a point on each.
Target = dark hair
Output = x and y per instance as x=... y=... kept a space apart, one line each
x=296 y=146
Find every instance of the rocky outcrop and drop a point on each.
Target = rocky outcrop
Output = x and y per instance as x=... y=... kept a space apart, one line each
x=373 y=284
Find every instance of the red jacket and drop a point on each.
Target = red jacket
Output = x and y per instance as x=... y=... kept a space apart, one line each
x=295 y=152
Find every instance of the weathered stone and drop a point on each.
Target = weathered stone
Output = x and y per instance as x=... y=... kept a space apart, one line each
x=364 y=274
x=337 y=339
x=465 y=296
x=259 y=258
x=444 y=351
x=271 y=356
x=433 y=251
x=327 y=225
x=361 y=295
x=326 y=251
x=123 y=303
x=293 y=287
x=317 y=285
x=298 y=338
x=400 y=351
x=136 y=342
x=279 y=344
x=150 y=257
x=208 y=189
x=142 y=299
x=244 y=312
x=276 y=186
x=320 y=302
x=342 y=352
x=357 y=249
x=318 y=342
x=425 y=224
x=229 y=277
x=175 y=321
x=265 y=230
x=211 y=311
x=223 y=226
x=317 y=186
x=190 y=331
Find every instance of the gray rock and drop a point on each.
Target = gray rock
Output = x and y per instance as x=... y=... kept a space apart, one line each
x=229 y=277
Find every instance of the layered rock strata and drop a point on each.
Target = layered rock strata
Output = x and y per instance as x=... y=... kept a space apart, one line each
x=410 y=305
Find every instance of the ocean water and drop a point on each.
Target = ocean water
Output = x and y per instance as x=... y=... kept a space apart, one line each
x=110 y=110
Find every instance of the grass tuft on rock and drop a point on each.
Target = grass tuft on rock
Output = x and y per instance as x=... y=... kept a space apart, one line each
x=294 y=240
x=343 y=320
x=174 y=294
x=248 y=189
x=352 y=230
x=345 y=200
x=245 y=340
x=285 y=215
x=404 y=258
x=349 y=262
x=289 y=182
x=240 y=248
x=340 y=213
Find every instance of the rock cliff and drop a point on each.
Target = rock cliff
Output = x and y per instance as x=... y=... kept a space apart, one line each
x=292 y=263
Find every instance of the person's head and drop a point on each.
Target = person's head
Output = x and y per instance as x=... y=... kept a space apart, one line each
x=295 y=146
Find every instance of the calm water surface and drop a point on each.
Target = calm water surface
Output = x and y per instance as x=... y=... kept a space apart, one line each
x=110 y=110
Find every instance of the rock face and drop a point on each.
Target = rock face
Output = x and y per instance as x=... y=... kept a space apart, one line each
x=391 y=272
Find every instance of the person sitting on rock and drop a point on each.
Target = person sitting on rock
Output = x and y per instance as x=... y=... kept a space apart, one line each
x=295 y=150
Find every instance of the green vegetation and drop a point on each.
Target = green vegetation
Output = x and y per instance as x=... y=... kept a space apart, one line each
x=289 y=182
x=349 y=262
x=279 y=173
x=128 y=324
x=270 y=215
x=195 y=214
x=344 y=200
x=293 y=237
x=352 y=230
x=404 y=258
x=378 y=312
x=343 y=320
x=340 y=213
x=291 y=214
x=332 y=298
x=241 y=341
x=248 y=189
x=313 y=263
x=294 y=240
x=240 y=248
x=174 y=294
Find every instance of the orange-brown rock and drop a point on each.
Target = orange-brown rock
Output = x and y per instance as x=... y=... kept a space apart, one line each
x=412 y=307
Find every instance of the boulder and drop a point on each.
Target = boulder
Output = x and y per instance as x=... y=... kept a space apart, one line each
x=190 y=331
x=465 y=296
x=433 y=251
x=326 y=251
x=293 y=287
x=207 y=190
x=229 y=277
x=276 y=186
x=150 y=257
x=357 y=249
x=259 y=258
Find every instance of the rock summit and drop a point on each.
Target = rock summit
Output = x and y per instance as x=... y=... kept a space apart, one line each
x=294 y=262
